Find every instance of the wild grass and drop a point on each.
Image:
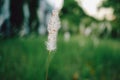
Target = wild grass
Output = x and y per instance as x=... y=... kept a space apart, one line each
x=82 y=58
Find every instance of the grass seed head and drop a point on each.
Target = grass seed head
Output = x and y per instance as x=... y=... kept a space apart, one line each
x=53 y=27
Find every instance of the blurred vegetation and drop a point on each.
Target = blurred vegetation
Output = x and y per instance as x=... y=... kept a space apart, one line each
x=80 y=58
x=115 y=4
x=73 y=14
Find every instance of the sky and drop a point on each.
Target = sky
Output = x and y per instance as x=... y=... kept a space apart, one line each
x=57 y=4
x=91 y=8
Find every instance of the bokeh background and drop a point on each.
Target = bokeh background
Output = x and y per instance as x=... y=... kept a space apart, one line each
x=88 y=44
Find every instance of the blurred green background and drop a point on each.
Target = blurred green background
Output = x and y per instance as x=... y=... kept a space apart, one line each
x=79 y=59
x=87 y=48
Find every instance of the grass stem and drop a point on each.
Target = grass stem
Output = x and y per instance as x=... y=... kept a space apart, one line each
x=47 y=65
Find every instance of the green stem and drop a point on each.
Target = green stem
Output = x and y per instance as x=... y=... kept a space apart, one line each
x=47 y=66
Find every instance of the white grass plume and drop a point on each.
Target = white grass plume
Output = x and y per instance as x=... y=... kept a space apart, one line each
x=53 y=27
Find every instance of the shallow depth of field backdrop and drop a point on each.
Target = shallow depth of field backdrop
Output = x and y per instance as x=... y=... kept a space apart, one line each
x=88 y=42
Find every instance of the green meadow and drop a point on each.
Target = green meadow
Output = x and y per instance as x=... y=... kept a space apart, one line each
x=79 y=58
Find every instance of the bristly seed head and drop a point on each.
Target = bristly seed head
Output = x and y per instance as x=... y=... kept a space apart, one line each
x=53 y=27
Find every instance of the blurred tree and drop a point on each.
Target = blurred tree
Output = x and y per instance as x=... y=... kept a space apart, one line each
x=72 y=12
x=115 y=4
x=16 y=15
x=33 y=22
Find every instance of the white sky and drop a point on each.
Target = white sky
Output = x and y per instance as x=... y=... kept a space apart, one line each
x=57 y=4
x=90 y=8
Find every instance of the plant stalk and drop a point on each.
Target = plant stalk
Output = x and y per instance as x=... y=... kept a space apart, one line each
x=47 y=66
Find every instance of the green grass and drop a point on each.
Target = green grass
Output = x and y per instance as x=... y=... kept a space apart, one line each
x=82 y=58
